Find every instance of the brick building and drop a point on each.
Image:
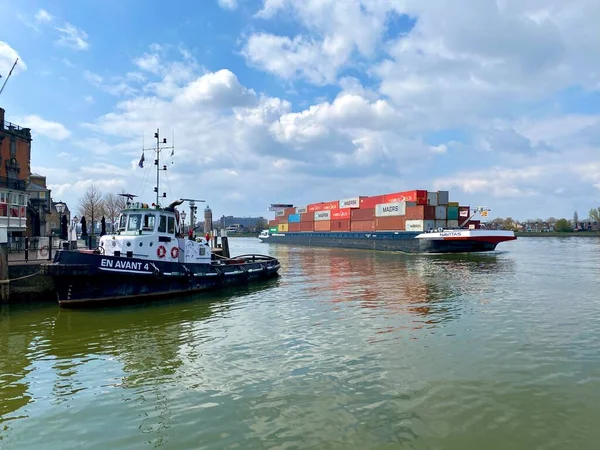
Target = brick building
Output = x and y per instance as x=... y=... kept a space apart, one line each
x=15 y=157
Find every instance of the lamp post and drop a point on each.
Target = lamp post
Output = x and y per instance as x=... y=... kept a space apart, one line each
x=74 y=232
x=183 y=222
x=60 y=207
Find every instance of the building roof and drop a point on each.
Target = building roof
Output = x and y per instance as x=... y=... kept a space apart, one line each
x=36 y=188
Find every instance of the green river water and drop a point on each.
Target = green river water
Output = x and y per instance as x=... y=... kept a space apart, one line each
x=346 y=350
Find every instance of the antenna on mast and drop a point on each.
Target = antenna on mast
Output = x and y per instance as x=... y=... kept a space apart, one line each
x=157 y=150
x=9 y=74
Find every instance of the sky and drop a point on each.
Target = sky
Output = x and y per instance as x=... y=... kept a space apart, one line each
x=270 y=101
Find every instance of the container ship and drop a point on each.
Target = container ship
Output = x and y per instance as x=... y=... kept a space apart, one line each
x=417 y=221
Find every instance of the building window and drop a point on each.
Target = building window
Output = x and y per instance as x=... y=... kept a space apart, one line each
x=42 y=195
x=13 y=147
x=162 y=225
x=171 y=225
x=148 y=222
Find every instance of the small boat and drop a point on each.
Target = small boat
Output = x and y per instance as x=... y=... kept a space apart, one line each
x=264 y=234
x=149 y=257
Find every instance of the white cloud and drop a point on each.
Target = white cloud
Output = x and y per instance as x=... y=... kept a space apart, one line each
x=88 y=99
x=8 y=56
x=228 y=4
x=43 y=16
x=52 y=130
x=72 y=37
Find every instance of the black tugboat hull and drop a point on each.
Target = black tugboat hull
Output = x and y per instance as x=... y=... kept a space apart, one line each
x=87 y=279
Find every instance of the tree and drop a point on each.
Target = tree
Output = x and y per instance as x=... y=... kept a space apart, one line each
x=575 y=219
x=595 y=214
x=91 y=204
x=563 y=226
x=113 y=204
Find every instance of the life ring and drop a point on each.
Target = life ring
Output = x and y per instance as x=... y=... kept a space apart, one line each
x=161 y=251
x=175 y=252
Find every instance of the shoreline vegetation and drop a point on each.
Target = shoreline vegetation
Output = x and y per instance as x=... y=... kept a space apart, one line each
x=588 y=234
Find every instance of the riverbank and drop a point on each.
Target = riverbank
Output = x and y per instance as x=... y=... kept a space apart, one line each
x=594 y=234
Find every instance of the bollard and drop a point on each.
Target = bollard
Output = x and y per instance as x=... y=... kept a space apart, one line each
x=26 y=249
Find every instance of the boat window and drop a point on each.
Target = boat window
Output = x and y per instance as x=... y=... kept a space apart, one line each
x=149 y=220
x=122 y=221
x=162 y=225
x=133 y=224
x=171 y=225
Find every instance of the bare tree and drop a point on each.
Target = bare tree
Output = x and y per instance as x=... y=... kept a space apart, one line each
x=91 y=205
x=113 y=204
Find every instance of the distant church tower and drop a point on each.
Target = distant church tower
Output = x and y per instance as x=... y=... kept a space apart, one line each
x=208 y=224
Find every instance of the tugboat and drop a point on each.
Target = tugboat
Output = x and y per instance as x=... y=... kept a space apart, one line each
x=148 y=257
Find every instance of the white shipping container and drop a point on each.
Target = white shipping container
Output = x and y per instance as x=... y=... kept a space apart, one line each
x=440 y=224
x=432 y=198
x=353 y=202
x=390 y=209
x=419 y=225
x=440 y=213
x=279 y=213
x=443 y=197
x=301 y=209
x=322 y=215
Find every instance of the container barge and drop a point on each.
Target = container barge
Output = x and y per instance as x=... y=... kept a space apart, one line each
x=415 y=221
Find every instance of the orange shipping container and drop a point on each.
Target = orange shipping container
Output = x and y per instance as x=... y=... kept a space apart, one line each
x=418 y=196
x=420 y=212
x=323 y=206
x=392 y=223
x=323 y=225
x=362 y=225
x=306 y=226
x=294 y=227
x=370 y=202
x=341 y=214
x=363 y=214
x=307 y=217
x=340 y=225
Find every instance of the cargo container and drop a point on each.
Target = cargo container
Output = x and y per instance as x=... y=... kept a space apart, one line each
x=340 y=225
x=340 y=214
x=474 y=225
x=294 y=227
x=282 y=227
x=370 y=202
x=294 y=218
x=301 y=209
x=453 y=203
x=274 y=222
x=452 y=223
x=391 y=223
x=320 y=216
x=420 y=212
x=353 y=202
x=280 y=213
x=452 y=213
x=306 y=226
x=440 y=213
x=441 y=224
x=464 y=212
x=362 y=225
x=323 y=225
x=432 y=198
x=390 y=209
x=443 y=197
x=307 y=217
x=323 y=206
x=419 y=197
x=363 y=214
x=273 y=229
x=419 y=225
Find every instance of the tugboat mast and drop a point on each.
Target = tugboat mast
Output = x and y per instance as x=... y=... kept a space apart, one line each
x=158 y=149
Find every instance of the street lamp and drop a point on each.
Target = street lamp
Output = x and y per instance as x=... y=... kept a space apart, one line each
x=183 y=222
x=60 y=207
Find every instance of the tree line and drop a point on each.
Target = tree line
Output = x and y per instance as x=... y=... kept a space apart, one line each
x=592 y=223
x=93 y=205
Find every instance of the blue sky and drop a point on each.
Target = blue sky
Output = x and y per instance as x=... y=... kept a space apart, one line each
x=286 y=101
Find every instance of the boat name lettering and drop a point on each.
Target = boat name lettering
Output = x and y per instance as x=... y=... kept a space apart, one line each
x=124 y=264
x=455 y=233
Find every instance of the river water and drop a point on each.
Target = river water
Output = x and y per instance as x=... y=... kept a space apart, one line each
x=346 y=350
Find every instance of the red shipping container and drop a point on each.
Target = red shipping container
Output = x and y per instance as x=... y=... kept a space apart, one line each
x=306 y=226
x=340 y=225
x=420 y=212
x=274 y=222
x=307 y=217
x=323 y=206
x=288 y=211
x=323 y=225
x=340 y=214
x=294 y=227
x=419 y=197
x=362 y=225
x=464 y=212
x=363 y=214
x=370 y=202
x=392 y=223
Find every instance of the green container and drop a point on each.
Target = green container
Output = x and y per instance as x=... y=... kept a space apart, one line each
x=452 y=213
x=273 y=230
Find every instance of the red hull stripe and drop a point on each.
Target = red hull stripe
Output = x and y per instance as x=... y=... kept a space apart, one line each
x=490 y=239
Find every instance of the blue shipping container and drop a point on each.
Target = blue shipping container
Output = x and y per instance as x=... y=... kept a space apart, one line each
x=294 y=218
x=452 y=212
